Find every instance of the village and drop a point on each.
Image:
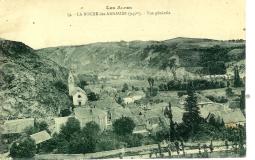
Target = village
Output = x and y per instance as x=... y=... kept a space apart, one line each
x=104 y=104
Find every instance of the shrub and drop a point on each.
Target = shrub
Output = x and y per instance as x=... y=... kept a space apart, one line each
x=132 y=140
x=93 y=96
x=229 y=92
x=108 y=141
x=83 y=83
x=197 y=84
x=61 y=86
x=123 y=126
x=39 y=126
x=125 y=87
x=72 y=125
x=65 y=112
x=154 y=92
x=25 y=148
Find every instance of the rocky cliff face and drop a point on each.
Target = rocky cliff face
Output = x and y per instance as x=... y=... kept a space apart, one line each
x=30 y=86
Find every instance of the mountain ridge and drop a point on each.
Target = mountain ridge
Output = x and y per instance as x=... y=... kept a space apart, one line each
x=141 y=54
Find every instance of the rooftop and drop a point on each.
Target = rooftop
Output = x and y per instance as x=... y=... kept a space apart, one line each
x=40 y=137
x=228 y=115
x=77 y=89
x=17 y=125
x=82 y=112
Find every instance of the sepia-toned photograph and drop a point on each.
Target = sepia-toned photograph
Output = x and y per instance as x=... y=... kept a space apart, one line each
x=122 y=79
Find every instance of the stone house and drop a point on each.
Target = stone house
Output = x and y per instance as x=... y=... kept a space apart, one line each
x=85 y=115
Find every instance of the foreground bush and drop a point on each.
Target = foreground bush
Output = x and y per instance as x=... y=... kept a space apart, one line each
x=24 y=148
x=123 y=126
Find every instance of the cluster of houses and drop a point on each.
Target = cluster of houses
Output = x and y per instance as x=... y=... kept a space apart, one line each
x=146 y=118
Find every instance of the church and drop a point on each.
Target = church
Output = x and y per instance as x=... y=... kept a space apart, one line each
x=79 y=95
x=82 y=111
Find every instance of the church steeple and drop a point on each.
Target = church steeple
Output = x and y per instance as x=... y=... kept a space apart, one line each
x=71 y=83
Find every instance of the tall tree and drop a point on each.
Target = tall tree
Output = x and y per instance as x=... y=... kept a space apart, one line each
x=72 y=125
x=169 y=115
x=173 y=66
x=191 y=118
x=237 y=80
x=151 y=84
x=85 y=141
x=242 y=101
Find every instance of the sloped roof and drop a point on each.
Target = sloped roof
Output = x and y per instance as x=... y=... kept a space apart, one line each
x=106 y=102
x=40 y=137
x=233 y=116
x=211 y=108
x=81 y=112
x=155 y=113
x=77 y=89
x=17 y=125
x=228 y=115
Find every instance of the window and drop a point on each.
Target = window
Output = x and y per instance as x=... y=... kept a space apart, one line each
x=79 y=103
x=79 y=96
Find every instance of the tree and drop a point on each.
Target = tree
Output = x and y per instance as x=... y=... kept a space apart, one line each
x=151 y=84
x=72 y=125
x=108 y=142
x=191 y=118
x=25 y=148
x=83 y=83
x=169 y=115
x=242 y=102
x=3 y=146
x=87 y=139
x=172 y=66
x=39 y=126
x=123 y=126
x=65 y=112
x=92 y=96
x=237 y=80
x=120 y=100
x=62 y=145
x=42 y=125
x=91 y=130
x=212 y=120
x=61 y=86
x=78 y=144
x=125 y=87
x=229 y=92
x=49 y=145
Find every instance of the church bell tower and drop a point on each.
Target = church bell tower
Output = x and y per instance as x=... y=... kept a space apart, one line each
x=71 y=84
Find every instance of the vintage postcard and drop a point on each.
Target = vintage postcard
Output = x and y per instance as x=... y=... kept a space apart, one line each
x=125 y=79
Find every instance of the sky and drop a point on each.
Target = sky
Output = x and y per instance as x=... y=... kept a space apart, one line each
x=45 y=23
